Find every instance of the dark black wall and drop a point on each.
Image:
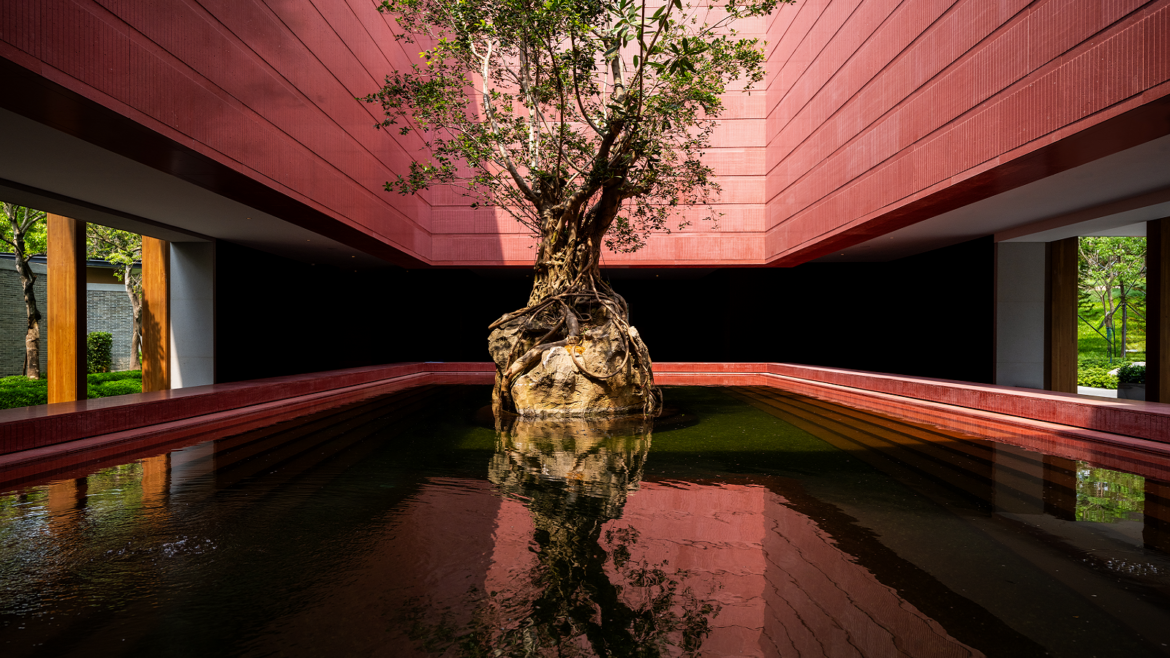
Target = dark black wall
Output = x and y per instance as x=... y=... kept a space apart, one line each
x=929 y=315
x=276 y=316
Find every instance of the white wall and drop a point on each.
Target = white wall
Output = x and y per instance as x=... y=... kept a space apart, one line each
x=192 y=282
x=1019 y=314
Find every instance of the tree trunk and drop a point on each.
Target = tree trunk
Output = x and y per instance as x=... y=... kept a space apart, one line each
x=136 y=308
x=1107 y=320
x=32 y=335
x=1124 y=326
x=571 y=351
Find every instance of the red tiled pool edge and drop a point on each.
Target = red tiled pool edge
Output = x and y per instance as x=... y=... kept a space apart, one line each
x=28 y=428
x=44 y=433
x=1143 y=420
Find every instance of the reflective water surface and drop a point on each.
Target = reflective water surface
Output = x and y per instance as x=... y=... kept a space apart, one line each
x=743 y=522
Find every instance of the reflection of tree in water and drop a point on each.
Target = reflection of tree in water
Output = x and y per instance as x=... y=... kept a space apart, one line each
x=1106 y=496
x=576 y=475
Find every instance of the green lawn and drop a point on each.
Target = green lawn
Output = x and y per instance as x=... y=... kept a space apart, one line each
x=1092 y=350
x=21 y=391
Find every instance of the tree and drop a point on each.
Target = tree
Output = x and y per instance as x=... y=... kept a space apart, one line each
x=585 y=120
x=1113 y=274
x=24 y=232
x=125 y=250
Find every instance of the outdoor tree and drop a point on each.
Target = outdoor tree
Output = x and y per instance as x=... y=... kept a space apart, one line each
x=125 y=250
x=1113 y=274
x=24 y=233
x=586 y=121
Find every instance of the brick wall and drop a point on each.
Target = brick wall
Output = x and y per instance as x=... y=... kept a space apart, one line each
x=107 y=308
x=14 y=317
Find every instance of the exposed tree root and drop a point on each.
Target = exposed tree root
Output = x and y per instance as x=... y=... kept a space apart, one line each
x=590 y=323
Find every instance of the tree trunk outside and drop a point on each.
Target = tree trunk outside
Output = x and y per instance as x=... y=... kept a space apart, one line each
x=136 y=307
x=1124 y=327
x=1106 y=298
x=558 y=269
x=32 y=336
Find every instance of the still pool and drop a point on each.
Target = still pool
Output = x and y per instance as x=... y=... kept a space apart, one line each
x=743 y=522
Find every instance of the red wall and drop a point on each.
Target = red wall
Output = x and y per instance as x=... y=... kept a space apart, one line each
x=265 y=89
x=876 y=114
x=885 y=112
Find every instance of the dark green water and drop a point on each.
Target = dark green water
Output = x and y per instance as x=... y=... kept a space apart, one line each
x=741 y=523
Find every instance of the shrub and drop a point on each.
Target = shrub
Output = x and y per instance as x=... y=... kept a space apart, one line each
x=115 y=387
x=1092 y=361
x=1132 y=373
x=1096 y=377
x=99 y=351
x=18 y=380
x=20 y=391
x=114 y=376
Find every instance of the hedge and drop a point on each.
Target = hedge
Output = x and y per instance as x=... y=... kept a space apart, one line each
x=20 y=391
x=1132 y=373
x=1096 y=377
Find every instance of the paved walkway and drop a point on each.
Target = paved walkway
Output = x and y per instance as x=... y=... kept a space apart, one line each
x=1099 y=392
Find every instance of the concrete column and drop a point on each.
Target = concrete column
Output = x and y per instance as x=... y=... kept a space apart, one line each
x=1019 y=314
x=1158 y=310
x=1035 y=315
x=66 y=309
x=156 y=363
x=1060 y=316
x=192 y=308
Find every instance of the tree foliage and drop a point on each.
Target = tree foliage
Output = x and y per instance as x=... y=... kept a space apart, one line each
x=586 y=120
x=121 y=248
x=559 y=111
x=23 y=230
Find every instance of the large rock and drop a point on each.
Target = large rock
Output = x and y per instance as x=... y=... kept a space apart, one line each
x=556 y=386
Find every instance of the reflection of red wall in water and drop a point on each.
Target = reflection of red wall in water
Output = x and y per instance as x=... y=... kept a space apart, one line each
x=715 y=534
x=783 y=586
x=786 y=588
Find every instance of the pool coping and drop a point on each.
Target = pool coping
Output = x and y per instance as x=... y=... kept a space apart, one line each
x=64 y=431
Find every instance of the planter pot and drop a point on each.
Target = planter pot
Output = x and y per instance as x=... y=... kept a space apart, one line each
x=1131 y=391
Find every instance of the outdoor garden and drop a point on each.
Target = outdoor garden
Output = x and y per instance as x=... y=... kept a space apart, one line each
x=1111 y=324
x=20 y=391
x=23 y=233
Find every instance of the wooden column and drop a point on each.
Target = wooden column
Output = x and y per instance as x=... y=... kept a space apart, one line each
x=66 y=309
x=154 y=485
x=156 y=325
x=1060 y=316
x=1158 y=310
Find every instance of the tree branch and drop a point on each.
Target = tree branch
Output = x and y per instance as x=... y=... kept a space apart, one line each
x=491 y=112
